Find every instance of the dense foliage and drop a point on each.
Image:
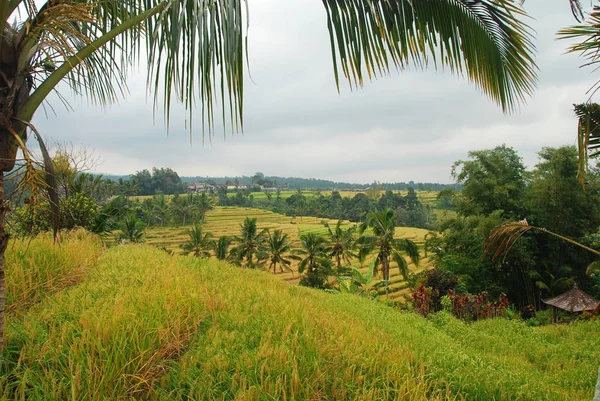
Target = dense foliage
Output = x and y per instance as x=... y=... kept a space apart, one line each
x=497 y=188
x=409 y=211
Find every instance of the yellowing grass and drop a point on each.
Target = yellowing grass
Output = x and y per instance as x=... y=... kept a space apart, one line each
x=111 y=336
x=39 y=266
x=146 y=325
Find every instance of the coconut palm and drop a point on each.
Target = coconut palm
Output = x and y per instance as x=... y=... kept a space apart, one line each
x=222 y=247
x=341 y=242
x=250 y=244
x=314 y=260
x=195 y=46
x=387 y=247
x=199 y=243
x=131 y=230
x=277 y=245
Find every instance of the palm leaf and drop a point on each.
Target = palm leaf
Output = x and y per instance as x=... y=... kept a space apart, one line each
x=195 y=51
x=587 y=36
x=502 y=238
x=593 y=267
x=588 y=135
x=402 y=264
x=484 y=40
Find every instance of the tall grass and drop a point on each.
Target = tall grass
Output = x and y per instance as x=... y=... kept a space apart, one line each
x=110 y=336
x=279 y=342
x=146 y=325
x=38 y=267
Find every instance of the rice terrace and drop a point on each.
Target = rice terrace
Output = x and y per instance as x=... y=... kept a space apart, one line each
x=356 y=234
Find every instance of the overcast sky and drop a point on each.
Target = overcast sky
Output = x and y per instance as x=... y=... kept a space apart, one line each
x=409 y=126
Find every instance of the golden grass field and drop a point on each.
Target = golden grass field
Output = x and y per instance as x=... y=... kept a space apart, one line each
x=226 y=221
x=140 y=324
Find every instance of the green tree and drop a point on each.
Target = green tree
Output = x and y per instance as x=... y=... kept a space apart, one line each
x=447 y=199
x=91 y=44
x=314 y=260
x=492 y=180
x=222 y=247
x=555 y=198
x=387 y=247
x=199 y=243
x=341 y=242
x=278 y=247
x=250 y=244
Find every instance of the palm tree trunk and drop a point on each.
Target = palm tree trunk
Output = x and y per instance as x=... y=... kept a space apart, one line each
x=3 y=244
x=386 y=274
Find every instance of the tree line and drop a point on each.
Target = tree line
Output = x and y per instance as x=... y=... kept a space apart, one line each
x=496 y=188
x=409 y=211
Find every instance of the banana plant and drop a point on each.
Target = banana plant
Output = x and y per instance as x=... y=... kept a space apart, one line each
x=364 y=285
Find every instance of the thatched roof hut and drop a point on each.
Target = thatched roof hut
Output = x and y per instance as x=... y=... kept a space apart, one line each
x=574 y=300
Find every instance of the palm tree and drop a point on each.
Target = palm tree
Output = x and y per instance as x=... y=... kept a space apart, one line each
x=553 y=279
x=341 y=242
x=198 y=243
x=92 y=43
x=315 y=260
x=131 y=230
x=387 y=247
x=204 y=203
x=277 y=246
x=250 y=243
x=222 y=247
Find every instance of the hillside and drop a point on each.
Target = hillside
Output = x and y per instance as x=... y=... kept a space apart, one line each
x=226 y=221
x=137 y=323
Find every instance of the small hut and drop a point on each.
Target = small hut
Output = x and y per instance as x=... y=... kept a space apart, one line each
x=572 y=301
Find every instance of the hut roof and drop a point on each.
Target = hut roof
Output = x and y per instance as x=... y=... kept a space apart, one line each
x=574 y=300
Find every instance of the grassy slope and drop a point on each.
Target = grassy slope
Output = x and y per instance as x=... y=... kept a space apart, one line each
x=146 y=325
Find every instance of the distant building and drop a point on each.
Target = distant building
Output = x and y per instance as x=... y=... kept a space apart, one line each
x=201 y=187
x=268 y=189
x=234 y=187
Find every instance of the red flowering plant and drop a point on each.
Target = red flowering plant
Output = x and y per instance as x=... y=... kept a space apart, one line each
x=422 y=300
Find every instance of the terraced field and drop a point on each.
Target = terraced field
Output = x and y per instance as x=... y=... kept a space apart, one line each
x=226 y=221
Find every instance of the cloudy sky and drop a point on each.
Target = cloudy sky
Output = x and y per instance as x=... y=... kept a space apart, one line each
x=409 y=126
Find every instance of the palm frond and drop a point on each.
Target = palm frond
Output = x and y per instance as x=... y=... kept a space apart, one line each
x=402 y=264
x=410 y=248
x=195 y=50
x=593 y=267
x=485 y=40
x=588 y=41
x=588 y=136
x=502 y=238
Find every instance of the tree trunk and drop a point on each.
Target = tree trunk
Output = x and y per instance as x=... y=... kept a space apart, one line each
x=3 y=244
x=597 y=393
x=386 y=274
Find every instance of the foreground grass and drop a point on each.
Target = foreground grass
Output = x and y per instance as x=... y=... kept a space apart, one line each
x=146 y=325
x=36 y=268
